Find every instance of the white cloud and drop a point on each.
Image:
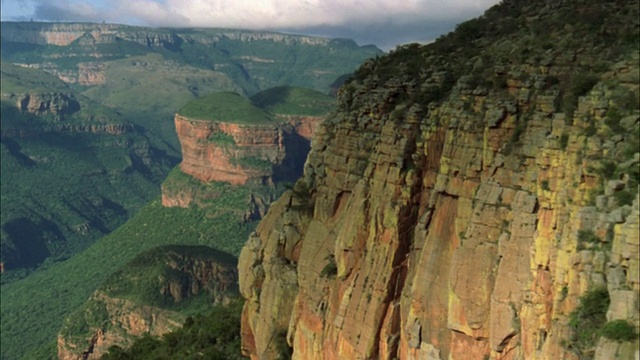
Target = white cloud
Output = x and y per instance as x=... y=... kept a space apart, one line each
x=292 y=15
x=299 y=14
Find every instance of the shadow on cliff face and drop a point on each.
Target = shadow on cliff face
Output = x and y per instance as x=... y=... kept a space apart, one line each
x=297 y=149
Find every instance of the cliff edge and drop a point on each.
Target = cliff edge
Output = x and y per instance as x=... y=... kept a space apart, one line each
x=475 y=198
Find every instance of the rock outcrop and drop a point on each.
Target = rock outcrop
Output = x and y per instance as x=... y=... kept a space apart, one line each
x=45 y=112
x=208 y=159
x=461 y=203
x=269 y=149
x=123 y=309
x=48 y=104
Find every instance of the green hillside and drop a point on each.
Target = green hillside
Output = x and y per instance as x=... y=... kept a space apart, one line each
x=176 y=280
x=225 y=107
x=261 y=107
x=288 y=100
x=212 y=335
x=17 y=79
x=67 y=178
x=70 y=177
x=139 y=279
x=33 y=308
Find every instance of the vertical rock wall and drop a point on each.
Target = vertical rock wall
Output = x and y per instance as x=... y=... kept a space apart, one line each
x=453 y=231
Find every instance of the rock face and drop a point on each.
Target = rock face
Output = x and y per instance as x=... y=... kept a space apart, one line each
x=241 y=154
x=443 y=216
x=113 y=316
x=212 y=160
x=128 y=319
x=48 y=103
x=56 y=112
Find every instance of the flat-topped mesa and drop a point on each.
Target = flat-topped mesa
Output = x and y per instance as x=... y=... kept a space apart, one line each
x=233 y=153
x=226 y=137
x=301 y=108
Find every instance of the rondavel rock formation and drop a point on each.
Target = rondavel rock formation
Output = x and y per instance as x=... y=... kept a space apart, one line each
x=466 y=201
x=260 y=154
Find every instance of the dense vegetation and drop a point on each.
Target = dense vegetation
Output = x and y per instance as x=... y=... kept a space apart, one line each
x=177 y=280
x=587 y=320
x=287 y=100
x=141 y=279
x=474 y=53
x=214 y=335
x=31 y=320
x=261 y=107
x=225 y=107
x=63 y=188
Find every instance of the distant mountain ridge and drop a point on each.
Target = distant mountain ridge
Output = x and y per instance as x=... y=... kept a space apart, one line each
x=246 y=51
x=63 y=34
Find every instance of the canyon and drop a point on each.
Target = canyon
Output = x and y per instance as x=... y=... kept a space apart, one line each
x=213 y=151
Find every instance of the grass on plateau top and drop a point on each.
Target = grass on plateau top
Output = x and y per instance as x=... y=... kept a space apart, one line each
x=225 y=107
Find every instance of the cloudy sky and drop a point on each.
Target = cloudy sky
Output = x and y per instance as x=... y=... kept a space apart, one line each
x=385 y=23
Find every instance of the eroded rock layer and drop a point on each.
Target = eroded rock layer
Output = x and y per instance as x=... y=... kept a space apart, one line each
x=451 y=216
x=240 y=154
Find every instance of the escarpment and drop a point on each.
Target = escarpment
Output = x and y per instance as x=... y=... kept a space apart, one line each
x=466 y=201
x=87 y=54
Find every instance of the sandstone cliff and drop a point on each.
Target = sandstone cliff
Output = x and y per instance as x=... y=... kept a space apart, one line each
x=147 y=297
x=228 y=148
x=225 y=152
x=465 y=201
